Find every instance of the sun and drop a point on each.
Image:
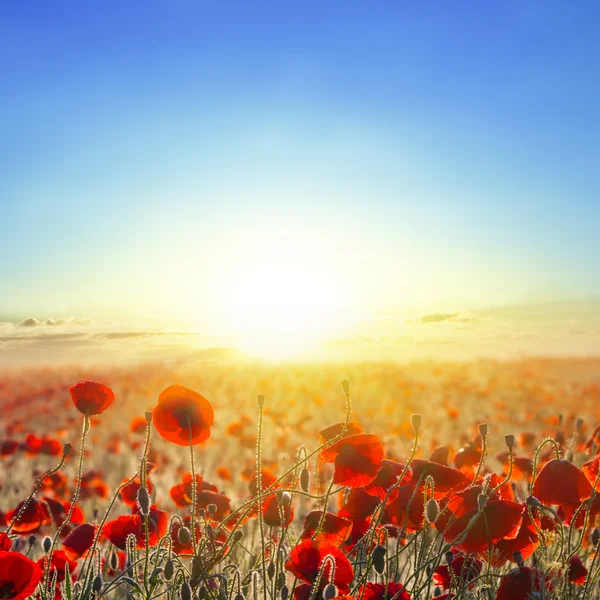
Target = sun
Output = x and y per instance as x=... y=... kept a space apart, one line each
x=280 y=298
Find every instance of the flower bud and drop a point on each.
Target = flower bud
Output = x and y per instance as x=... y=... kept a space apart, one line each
x=595 y=536
x=239 y=596
x=415 y=421
x=533 y=502
x=184 y=535
x=47 y=544
x=185 y=591
x=518 y=557
x=148 y=415
x=280 y=580
x=378 y=558
x=238 y=535
x=169 y=570
x=144 y=501
x=261 y=401
x=449 y=556
x=285 y=592
x=286 y=499
x=97 y=584
x=114 y=561
x=432 y=510
x=211 y=509
x=67 y=449
x=31 y=540
x=329 y=592
x=509 y=440
x=305 y=479
x=346 y=386
x=483 y=430
x=271 y=570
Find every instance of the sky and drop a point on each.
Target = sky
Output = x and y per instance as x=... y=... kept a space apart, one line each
x=295 y=167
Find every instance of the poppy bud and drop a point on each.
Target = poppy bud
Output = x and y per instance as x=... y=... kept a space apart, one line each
x=482 y=501
x=201 y=513
x=595 y=536
x=280 y=580
x=533 y=502
x=437 y=592
x=169 y=570
x=154 y=576
x=483 y=430
x=143 y=501
x=211 y=509
x=449 y=556
x=304 y=479
x=518 y=557
x=31 y=540
x=271 y=570
x=184 y=535
x=415 y=421
x=346 y=386
x=238 y=535
x=329 y=592
x=67 y=449
x=185 y=591
x=261 y=401
x=239 y=597
x=285 y=592
x=97 y=585
x=286 y=499
x=47 y=544
x=114 y=561
x=378 y=558
x=148 y=415
x=509 y=440
x=432 y=510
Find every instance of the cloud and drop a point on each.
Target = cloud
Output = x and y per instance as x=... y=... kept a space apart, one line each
x=437 y=318
x=30 y=322
x=33 y=322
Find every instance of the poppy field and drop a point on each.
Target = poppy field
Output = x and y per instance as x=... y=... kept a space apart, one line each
x=238 y=480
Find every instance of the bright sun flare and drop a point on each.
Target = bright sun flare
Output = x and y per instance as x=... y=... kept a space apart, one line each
x=281 y=299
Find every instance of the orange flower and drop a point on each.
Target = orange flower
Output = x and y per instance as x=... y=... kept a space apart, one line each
x=357 y=459
x=183 y=416
x=561 y=482
x=91 y=398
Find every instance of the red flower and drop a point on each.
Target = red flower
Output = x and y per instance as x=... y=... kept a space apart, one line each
x=445 y=478
x=273 y=510
x=519 y=583
x=335 y=529
x=463 y=568
x=129 y=493
x=561 y=482
x=91 y=398
x=118 y=530
x=407 y=508
x=59 y=564
x=35 y=515
x=5 y=541
x=388 y=476
x=178 y=547
x=19 y=576
x=526 y=542
x=183 y=416
x=79 y=541
x=306 y=559
x=359 y=505
x=577 y=571
x=8 y=448
x=383 y=591
x=591 y=468
x=221 y=501
x=332 y=431
x=357 y=459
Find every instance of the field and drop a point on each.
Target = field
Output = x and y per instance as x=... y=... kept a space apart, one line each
x=380 y=481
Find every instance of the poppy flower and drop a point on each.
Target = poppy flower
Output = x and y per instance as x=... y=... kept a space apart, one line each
x=463 y=569
x=129 y=493
x=519 y=584
x=561 y=482
x=522 y=465
x=591 y=469
x=35 y=515
x=59 y=510
x=335 y=529
x=138 y=425
x=473 y=530
x=267 y=479
x=177 y=545
x=221 y=501
x=526 y=542
x=42 y=445
x=577 y=572
x=357 y=459
x=183 y=416
x=5 y=541
x=19 y=576
x=467 y=459
x=388 y=476
x=79 y=541
x=332 y=431
x=407 y=509
x=58 y=564
x=358 y=505
x=274 y=509
x=8 y=448
x=306 y=559
x=118 y=530
x=91 y=398
x=440 y=455
x=444 y=478
x=383 y=591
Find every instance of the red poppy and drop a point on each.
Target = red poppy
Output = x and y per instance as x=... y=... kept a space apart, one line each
x=407 y=508
x=444 y=478
x=43 y=445
x=522 y=465
x=35 y=515
x=138 y=425
x=591 y=469
x=221 y=501
x=473 y=530
x=335 y=529
x=519 y=583
x=183 y=416
x=387 y=477
x=525 y=542
x=357 y=459
x=93 y=484
x=467 y=459
x=383 y=591
x=332 y=431
x=306 y=559
x=176 y=544
x=5 y=541
x=59 y=510
x=79 y=541
x=129 y=493
x=19 y=576
x=463 y=569
x=8 y=448
x=274 y=510
x=440 y=455
x=561 y=482
x=577 y=571
x=58 y=564
x=267 y=479
x=91 y=398
x=359 y=505
x=118 y=530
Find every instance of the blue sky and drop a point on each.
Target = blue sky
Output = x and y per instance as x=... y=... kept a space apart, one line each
x=435 y=154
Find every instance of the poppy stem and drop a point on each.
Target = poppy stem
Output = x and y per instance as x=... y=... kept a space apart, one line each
x=194 y=491
x=261 y=403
